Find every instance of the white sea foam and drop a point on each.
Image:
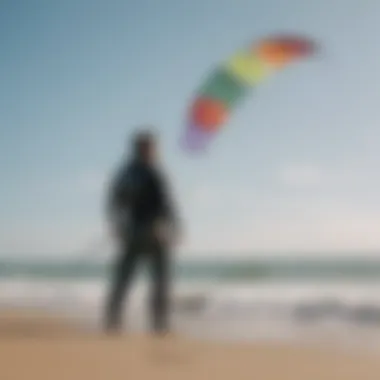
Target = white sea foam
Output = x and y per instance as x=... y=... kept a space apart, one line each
x=341 y=312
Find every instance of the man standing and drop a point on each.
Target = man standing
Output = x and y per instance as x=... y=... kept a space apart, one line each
x=141 y=214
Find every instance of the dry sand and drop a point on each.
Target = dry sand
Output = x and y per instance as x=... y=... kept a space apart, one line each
x=36 y=347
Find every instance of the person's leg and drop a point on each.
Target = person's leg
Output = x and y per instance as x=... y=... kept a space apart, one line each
x=122 y=275
x=160 y=276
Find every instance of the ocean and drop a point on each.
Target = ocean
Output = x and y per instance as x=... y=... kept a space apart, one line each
x=313 y=300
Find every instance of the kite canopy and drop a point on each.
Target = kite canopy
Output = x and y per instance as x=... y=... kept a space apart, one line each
x=233 y=79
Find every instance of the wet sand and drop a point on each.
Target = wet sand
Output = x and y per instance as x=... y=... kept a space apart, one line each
x=40 y=347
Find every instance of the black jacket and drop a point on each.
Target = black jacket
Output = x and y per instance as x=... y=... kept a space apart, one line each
x=139 y=195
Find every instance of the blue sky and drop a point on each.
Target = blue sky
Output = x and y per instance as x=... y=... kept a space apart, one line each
x=296 y=169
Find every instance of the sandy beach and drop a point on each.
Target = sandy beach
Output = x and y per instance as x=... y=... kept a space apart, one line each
x=35 y=346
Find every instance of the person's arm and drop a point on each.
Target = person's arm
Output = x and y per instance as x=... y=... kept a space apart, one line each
x=169 y=207
x=116 y=199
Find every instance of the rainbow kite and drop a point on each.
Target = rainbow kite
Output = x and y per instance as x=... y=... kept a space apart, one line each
x=230 y=82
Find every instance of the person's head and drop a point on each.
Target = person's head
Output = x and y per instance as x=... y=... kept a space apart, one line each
x=144 y=146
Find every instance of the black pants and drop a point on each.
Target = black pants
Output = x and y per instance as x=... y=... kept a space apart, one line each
x=140 y=244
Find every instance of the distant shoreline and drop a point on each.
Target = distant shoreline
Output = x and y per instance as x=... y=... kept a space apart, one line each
x=253 y=269
x=205 y=257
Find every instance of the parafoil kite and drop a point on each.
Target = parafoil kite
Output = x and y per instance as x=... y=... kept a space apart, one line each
x=230 y=82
